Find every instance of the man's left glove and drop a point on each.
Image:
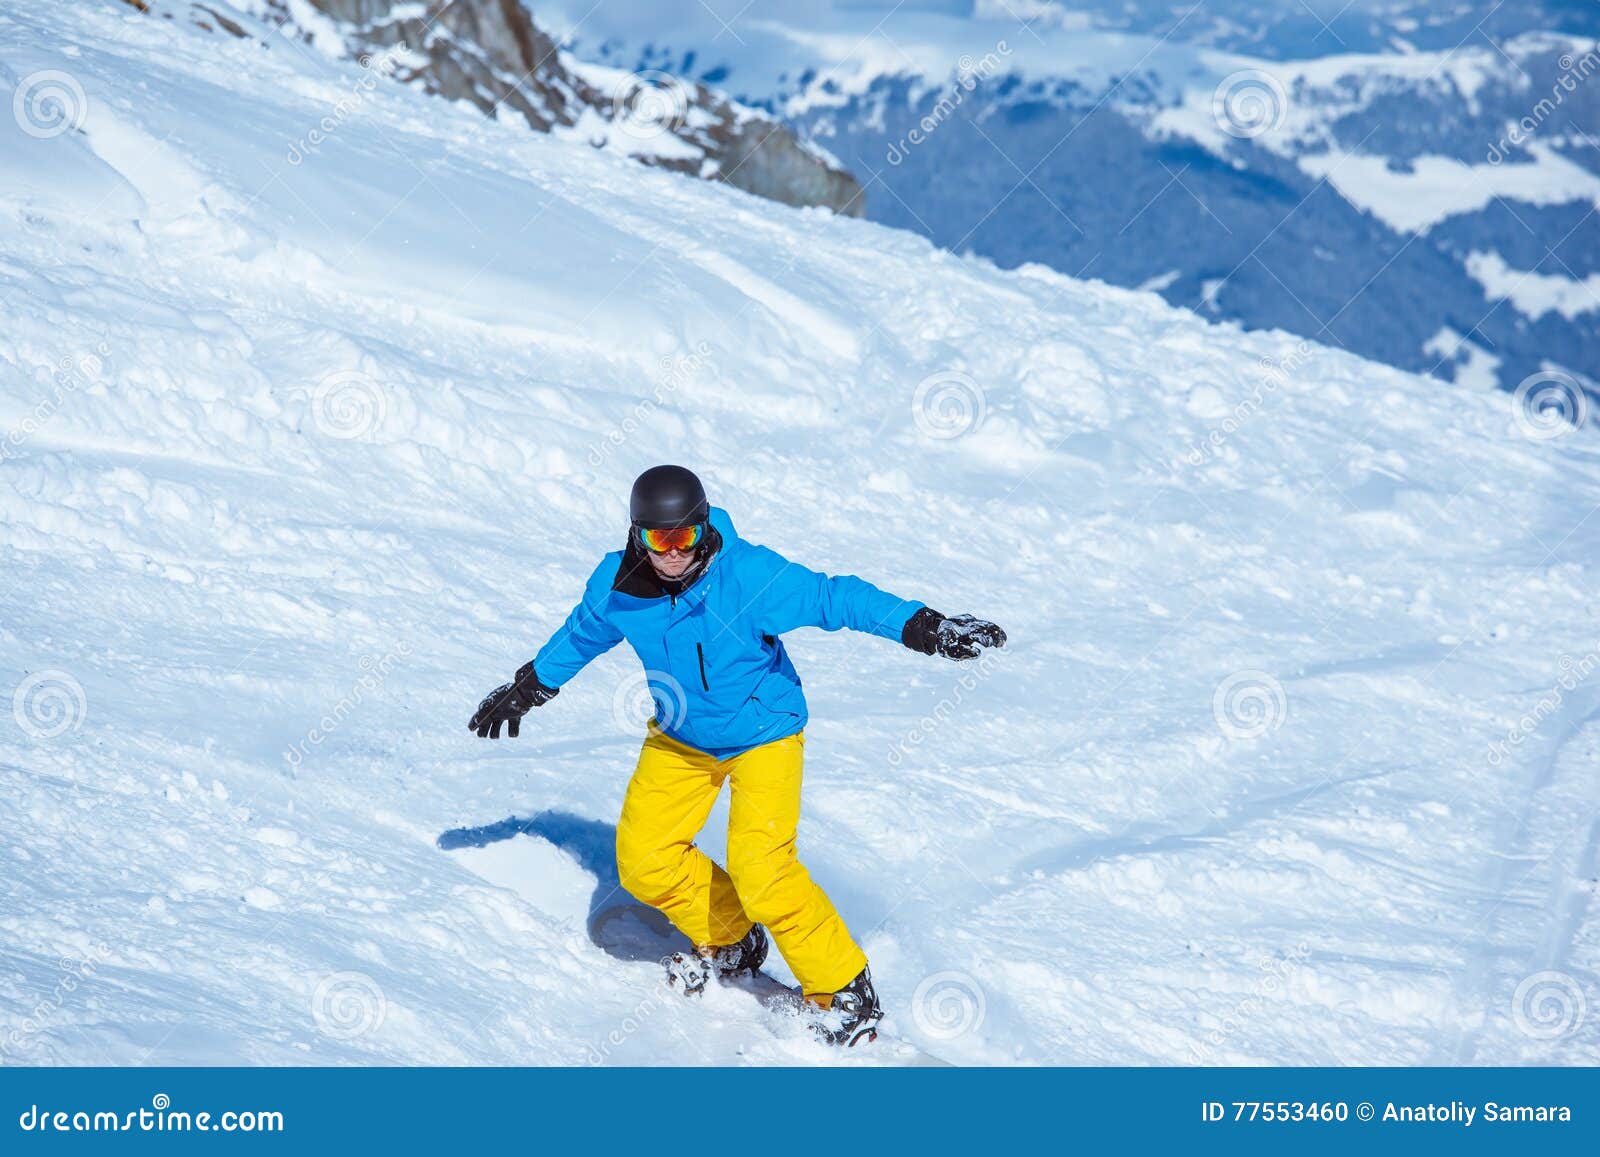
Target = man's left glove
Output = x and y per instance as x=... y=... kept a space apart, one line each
x=508 y=703
x=959 y=638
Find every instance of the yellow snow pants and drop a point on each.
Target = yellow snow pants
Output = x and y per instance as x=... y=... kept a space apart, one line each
x=668 y=800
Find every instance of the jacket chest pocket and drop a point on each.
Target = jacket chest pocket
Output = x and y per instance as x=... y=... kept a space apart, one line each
x=689 y=655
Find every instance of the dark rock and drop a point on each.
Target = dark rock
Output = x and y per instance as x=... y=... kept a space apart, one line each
x=491 y=53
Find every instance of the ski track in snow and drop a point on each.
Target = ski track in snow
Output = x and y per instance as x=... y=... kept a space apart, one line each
x=1059 y=857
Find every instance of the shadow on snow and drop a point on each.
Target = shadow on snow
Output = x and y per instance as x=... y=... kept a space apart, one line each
x=618 y=924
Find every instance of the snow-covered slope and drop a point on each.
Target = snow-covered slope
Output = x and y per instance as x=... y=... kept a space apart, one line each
x=1290 y=759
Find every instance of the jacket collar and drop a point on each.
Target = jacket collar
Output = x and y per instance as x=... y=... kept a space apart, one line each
x=635 y=576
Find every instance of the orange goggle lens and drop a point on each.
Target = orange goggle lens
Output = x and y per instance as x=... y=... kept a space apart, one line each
x=673 y=538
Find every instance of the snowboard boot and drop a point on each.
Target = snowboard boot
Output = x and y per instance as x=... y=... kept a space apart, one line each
x=692 y=971
x=854 y=1013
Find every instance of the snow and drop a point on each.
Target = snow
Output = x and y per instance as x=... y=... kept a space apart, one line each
x=1161 y=281
x=843 y=49
x=300 y=459
x=1431 y=188
x=1475 y=366
x=1532 y=293
x=324 y=32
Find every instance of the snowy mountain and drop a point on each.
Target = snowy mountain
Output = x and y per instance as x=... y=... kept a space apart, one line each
x=1306 y=28
x=491 y=54
x=1415 y=182
x=302 y=449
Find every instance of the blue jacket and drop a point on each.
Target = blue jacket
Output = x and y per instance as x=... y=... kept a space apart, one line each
x=718 y=672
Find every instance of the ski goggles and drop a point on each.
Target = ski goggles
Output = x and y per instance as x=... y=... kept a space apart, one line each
x=669 y=538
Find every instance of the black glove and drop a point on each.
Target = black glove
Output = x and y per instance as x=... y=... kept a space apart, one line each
x=959 y=638
x=508 y=703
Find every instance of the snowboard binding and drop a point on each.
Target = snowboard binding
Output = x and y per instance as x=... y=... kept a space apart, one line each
x=845 y=1018
x=691 y=971
x=857 y=1013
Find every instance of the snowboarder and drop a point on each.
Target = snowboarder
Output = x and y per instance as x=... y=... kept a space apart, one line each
x=705 y=611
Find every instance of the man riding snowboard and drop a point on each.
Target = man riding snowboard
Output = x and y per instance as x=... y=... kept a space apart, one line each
x=704 y=611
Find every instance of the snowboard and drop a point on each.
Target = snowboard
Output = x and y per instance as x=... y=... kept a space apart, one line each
x=634 y=932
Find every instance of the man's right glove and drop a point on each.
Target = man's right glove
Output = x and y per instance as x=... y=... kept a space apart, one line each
x=959 y=638
x=508 y=703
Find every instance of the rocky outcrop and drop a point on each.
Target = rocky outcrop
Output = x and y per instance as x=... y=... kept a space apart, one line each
x=493 y=54
x=488 y=52
x=764 y=157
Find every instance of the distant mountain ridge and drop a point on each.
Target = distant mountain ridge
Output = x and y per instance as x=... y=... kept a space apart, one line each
x=1431 y=209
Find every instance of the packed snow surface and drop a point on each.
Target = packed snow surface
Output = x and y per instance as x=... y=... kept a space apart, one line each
x=1291 y=758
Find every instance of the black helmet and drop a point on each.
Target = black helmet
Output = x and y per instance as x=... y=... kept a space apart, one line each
x=667 y=496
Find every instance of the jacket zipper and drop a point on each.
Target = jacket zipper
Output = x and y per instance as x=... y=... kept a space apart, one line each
x=700 y=651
